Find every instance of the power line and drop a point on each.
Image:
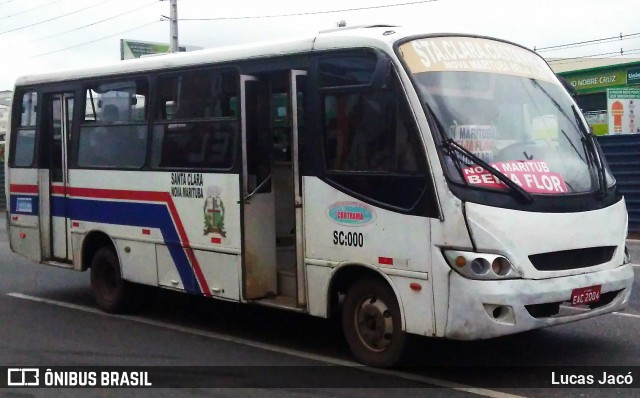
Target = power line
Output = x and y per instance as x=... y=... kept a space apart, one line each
x=307 y=13
x=31 y=9
x=621 y=52
x=602 y=41
x=586 y=60
x=587 y=42
x=612 y=54
x=93 y=41
x=92 y=24
x=54 y=18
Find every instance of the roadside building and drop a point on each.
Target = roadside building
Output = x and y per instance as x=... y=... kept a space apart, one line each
x=592 y=79
x=608 y=93
x=4 y=120
x=5 y=108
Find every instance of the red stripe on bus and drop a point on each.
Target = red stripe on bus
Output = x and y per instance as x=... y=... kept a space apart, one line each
x=146 y=231
x=23 y=188
x=14 y=218
x=216 y=240
x=98 y=193
x=385 y=260
x=58 y=189
x=75 y=224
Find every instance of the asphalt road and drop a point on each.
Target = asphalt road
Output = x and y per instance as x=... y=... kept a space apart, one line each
x=48 y=318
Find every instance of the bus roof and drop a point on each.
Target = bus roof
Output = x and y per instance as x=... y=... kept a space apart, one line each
x=371 y=36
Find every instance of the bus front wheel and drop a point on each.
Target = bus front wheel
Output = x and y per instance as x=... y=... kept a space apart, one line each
x=112 y=293
x=371 y=323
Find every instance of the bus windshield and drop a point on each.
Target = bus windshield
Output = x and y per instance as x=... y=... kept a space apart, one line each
x=503 y=104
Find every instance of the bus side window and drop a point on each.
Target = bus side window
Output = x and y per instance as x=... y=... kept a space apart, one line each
x=365 y=132
x=24 y=148
x=196 y=126
x=25 y=136
x=371 y=143
x=113 y=131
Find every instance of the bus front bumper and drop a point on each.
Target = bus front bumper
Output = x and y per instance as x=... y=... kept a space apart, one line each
x=480 y=309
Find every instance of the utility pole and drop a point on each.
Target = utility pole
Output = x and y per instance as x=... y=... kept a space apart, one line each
x=173 y=20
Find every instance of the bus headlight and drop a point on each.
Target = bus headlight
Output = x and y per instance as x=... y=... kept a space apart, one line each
x=481 y=265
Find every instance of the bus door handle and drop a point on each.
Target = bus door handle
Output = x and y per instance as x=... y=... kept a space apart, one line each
x=259 y=187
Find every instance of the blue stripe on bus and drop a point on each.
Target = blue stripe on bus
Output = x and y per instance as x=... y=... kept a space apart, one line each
x=149 y=215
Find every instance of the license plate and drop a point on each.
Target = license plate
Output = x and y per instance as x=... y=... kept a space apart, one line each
x=585 y=295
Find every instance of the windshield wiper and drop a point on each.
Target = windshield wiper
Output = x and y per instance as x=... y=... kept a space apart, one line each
x=590 y=141
x=452 y=146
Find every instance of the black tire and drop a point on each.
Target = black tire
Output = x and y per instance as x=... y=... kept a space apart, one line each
x=371 y=323
x=112 y=293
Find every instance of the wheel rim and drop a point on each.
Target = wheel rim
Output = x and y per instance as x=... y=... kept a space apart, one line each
x=374 y=324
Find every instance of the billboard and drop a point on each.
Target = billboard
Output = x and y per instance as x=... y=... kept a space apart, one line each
x=622 y=105
x=135 y=49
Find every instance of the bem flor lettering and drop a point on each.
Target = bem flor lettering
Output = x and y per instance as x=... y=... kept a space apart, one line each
x=187 y=185
x=533 y=176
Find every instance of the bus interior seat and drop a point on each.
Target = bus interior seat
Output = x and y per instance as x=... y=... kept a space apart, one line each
x=282 y=144
x=110 y=113
x=220 y=145
x=197 y=154
x=173 y=147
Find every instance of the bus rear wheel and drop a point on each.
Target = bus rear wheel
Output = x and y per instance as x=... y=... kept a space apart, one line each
x=112 y=293
x=371 y=323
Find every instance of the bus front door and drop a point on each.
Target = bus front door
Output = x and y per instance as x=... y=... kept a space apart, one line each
x=57 y=240
x=273 y=250
x=258 y=200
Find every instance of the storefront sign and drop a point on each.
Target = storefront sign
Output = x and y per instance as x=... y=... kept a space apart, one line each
x=598 y=80
x=633 y=76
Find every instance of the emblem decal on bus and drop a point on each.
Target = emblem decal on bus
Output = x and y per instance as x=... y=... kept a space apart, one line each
x=24 y=205
x=214 y=212
x=351 y=214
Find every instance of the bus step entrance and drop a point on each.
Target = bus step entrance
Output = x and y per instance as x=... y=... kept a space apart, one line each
x=286 y=256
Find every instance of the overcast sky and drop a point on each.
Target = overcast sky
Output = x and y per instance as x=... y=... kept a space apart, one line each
x=46 y=35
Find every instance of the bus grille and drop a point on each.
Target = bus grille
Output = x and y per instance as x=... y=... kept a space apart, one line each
x=572 y=259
